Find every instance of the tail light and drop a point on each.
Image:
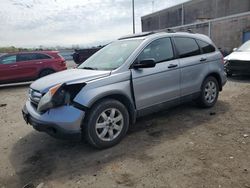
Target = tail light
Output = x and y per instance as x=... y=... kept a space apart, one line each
x=62 y=62
x=223 y=61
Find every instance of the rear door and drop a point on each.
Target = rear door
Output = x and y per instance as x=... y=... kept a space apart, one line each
x=159 y=84
x=47 y=61
x=28 y=65
x=192 y=63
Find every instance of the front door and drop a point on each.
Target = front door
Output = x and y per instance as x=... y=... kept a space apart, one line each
x=157 y=85
x=8 y=68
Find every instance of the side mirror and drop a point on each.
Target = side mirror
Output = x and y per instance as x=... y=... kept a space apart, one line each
x=146 y=63
x=235 y=49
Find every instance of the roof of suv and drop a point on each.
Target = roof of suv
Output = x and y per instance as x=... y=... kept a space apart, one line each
x=38 y=51
x=147 y=35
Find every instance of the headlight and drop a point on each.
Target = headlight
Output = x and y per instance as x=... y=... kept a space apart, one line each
x=59 y=95
x=54 y=97
x=225 y=62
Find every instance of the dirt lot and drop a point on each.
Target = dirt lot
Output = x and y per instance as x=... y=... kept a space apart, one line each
x=183 y=147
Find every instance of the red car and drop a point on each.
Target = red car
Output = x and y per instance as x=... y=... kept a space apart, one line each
x=27 y=66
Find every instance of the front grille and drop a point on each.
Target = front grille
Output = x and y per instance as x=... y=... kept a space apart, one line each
x=35 y=97
x=239 y=66
x=238 y=62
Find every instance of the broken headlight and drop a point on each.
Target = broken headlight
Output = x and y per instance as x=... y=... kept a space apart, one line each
x=59 y=95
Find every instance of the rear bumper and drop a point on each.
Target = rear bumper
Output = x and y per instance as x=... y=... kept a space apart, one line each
x=63 y=123
x=224 y=79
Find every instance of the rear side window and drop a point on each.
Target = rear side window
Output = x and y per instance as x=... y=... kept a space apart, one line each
x=42 y=56
x=26 y=57
x=160 y=50
x=186 y=47
x=205 y=47
x=31 y=56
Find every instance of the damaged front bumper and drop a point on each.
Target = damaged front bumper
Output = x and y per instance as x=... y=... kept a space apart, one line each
x=63 y=122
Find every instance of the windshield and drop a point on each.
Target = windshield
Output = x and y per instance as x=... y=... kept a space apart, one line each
x=112 y=56
x=245 y=46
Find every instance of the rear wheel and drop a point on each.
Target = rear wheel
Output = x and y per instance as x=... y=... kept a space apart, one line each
x=209 y=92
x=107 y=123
x=46 y=72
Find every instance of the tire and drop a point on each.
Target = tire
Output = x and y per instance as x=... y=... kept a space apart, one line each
x=209 y=92
x=46 y=72
x=106 y=118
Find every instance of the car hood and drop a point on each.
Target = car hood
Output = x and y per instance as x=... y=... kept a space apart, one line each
x=242 y=56
x=68 y=76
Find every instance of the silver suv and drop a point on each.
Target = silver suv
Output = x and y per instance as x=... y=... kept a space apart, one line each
x=131 y=77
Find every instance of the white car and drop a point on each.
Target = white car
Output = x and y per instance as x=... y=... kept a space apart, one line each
x=238 y=62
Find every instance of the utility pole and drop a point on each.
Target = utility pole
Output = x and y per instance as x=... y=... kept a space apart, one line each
x=182 y=14
x=153 y=6
x=133 y=12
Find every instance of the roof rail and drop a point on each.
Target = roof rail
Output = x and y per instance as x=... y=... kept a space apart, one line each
x=190 y=31
x=170 y=30
x=143 y=34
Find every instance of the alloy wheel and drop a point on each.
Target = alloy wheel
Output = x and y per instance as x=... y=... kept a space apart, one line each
x=210 y=92
x=109 y=124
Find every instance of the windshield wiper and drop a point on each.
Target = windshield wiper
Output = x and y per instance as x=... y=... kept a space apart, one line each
x=89 y=68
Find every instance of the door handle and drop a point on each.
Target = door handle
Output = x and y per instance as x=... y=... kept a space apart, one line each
x=172 y=66
x=39 y=62
x=203 y=59
x=13 y=65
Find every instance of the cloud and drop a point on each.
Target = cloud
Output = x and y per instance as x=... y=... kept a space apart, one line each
x=28 y=23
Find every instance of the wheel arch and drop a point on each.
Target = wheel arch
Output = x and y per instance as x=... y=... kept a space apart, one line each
x=44 y=69
x=121 y=98
x=217 y=77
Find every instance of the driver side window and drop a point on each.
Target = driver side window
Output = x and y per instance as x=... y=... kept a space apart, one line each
x=8 y=59
x=160 y=50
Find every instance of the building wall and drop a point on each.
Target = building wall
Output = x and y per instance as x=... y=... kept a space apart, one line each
x=226 y=34
x=196 y=28
x=199 y=16
x=162 y=19
x=210 y=9
x=194 y=11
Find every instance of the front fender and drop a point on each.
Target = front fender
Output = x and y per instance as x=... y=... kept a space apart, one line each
x=114 y=85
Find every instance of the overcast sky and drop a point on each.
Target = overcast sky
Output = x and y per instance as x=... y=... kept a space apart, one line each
x=30 y=23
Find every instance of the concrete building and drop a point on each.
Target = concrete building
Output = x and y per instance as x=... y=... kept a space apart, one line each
x=227 y=22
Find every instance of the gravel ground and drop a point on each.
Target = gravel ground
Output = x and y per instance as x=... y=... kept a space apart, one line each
x=182 y=147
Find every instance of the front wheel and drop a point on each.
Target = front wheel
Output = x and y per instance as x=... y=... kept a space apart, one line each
x=209 y=92
x=107 y=123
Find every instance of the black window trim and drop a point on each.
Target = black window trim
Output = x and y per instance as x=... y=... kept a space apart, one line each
x=17 y=56
x=49 y=57
x=33 y=53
